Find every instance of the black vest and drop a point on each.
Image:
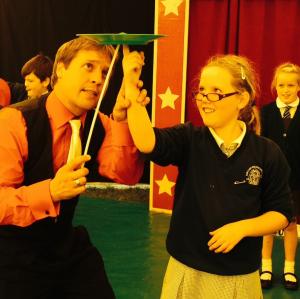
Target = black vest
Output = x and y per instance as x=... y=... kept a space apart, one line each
x=49 y=238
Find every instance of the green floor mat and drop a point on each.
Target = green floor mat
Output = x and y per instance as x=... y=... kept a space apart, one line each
x=132 y=242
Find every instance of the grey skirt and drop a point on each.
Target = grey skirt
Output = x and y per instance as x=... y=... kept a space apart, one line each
x=182 y=282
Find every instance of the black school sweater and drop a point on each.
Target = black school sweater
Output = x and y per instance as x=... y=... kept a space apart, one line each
x=288 y=140
x=213 y=190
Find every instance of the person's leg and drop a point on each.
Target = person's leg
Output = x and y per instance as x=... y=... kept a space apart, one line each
x=266 y=264
x=290 y=248
x=86 y=279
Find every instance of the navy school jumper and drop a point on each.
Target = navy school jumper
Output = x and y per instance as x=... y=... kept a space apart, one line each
x=213 y=190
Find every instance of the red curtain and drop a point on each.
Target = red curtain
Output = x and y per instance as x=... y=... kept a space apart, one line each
x=266 y=31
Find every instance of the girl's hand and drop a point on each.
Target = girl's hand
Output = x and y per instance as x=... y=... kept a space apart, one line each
x=132 y=67
x=226 y=237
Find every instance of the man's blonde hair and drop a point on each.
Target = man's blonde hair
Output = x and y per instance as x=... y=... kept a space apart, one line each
x=69 y=50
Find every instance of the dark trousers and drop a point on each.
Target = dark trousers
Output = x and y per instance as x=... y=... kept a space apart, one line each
x=83 y=279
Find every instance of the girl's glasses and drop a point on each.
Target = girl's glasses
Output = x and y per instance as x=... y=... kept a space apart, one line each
x=212 y=96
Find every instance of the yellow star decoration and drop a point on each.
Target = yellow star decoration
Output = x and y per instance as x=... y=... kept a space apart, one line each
x=168 y=98
x=165 y=186
x=171 y=6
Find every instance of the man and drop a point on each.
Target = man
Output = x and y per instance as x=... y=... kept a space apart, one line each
x=41 y=254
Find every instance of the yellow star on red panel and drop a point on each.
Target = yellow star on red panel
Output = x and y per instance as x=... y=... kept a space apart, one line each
x=171 y=6
x=168 y=98
x=165 y=186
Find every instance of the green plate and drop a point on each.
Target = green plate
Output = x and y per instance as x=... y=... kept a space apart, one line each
x=122 y=38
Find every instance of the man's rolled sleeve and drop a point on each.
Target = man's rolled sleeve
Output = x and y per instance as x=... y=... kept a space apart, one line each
x=118 y=157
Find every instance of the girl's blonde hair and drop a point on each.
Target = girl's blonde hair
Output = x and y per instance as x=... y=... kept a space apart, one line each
x=288 y=68
x=245 y=78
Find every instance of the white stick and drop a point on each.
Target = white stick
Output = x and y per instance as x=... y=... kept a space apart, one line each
x=100 y=99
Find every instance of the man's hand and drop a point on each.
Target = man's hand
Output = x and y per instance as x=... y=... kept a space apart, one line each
x=70 y=179
x=226 y=237
x=122 y=104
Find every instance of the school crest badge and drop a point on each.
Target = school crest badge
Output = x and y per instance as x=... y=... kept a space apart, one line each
x=254 y=175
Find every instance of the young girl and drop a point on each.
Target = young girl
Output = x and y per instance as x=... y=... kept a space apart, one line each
x=281 y=123
x=232 y=185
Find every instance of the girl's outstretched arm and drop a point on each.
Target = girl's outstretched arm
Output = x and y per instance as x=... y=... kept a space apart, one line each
x=138 y=120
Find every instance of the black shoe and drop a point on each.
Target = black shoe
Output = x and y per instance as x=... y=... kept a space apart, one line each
x=266 y=283
x=290 y=285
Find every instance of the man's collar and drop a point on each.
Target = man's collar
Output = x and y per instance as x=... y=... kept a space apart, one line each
x=57 y=112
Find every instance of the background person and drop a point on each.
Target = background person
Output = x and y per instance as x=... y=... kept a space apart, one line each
x=37 y=75
x=5 y=94
x=281 y=123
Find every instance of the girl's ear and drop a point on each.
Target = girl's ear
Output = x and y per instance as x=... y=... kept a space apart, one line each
x=244 y=100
